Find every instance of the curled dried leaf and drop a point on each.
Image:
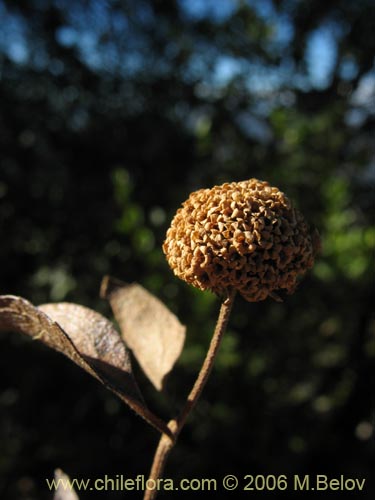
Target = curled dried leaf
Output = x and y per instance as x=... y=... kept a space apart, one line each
x=149 y=328
x=84 y=336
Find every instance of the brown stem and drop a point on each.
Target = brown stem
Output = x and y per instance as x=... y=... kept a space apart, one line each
x=167 y=441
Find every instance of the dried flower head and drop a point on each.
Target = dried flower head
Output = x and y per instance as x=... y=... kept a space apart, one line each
x=242 y=235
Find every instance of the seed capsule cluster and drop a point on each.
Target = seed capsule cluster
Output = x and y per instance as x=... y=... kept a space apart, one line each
x=243 y=235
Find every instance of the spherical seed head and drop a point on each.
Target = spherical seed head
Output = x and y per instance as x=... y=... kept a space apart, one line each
x=241 y=235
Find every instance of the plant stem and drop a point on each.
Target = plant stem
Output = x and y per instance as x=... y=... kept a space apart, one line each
x=167 y=441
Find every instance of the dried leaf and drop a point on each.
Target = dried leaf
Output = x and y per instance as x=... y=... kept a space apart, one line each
x=19 y=315
x=65 y=490
x=84 y=336
x=98 y=342
x=149 y=328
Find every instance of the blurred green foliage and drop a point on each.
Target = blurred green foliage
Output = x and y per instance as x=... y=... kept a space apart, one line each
x=111 y=113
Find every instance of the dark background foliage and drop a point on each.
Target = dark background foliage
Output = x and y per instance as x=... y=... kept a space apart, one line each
x=111 y=112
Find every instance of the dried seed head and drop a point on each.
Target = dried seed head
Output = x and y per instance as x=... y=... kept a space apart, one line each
x=242 y=235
